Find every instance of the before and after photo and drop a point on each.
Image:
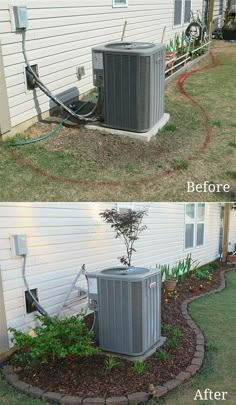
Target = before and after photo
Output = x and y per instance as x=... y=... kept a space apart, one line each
x=117 y=202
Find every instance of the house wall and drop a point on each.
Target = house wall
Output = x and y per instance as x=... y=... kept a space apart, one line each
x=232 y=232
x=63 y=236
x=219 y=7
x=60 y=37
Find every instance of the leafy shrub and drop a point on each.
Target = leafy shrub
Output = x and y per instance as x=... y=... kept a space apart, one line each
x=213 y=265
x=203 y=273
x=111 y=362
x=139 y=367
x=54 y=339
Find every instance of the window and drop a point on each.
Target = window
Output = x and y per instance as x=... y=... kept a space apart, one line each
x=120 y=3
x=182 y=12
x=194 y=225
x=187 y=11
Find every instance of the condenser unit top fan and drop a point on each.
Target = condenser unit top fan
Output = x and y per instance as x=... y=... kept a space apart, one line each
x=125 y=271
x=131 y=46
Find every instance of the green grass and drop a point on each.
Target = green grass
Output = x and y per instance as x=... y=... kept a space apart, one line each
x=215 y=314
x=9 y=396
x=124 y=162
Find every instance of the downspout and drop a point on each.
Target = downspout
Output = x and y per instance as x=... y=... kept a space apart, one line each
x=211 y=14
x=228 y=207
x=4 y=341
x=5 y=120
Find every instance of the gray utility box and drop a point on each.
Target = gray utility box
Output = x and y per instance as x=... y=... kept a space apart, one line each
x=128 y=305
x=131 y=82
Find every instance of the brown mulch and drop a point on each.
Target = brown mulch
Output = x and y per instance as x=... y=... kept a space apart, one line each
x=88 y=377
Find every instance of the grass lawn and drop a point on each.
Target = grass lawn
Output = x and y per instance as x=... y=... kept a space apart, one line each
x=135 y=167
x=215 y=315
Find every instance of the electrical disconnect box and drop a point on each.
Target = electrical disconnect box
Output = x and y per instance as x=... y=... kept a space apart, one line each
x=20 y=245
x=21 y=17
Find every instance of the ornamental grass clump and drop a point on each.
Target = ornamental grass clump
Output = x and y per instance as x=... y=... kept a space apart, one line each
x=54 y=339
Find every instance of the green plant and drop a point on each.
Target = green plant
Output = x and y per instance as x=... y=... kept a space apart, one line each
x=163 y=355
x=166 y=327
x=231 y=174
x=203 y=273
x=232 y=144
x=170 y=127
x=54 y=339
x=111 y=362
x=179 y=164
x=139 y=367
x=127 y=226
x=213 y=265
x=173 y=342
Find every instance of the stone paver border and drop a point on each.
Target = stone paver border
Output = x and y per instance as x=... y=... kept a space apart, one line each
x=137 y=397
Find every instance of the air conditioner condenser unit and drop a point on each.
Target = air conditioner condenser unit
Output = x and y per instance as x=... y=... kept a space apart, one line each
x=130 y=77
x=128 y=306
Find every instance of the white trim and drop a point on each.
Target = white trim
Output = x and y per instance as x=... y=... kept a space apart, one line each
x=117 y=5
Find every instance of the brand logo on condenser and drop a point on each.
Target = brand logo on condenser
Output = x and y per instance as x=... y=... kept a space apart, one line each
x=209 y=395
x=207 y=187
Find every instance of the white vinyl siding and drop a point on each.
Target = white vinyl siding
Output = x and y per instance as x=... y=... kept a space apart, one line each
x=232 y=231
x=218 y=14
x=63 y=236
x=60 y=37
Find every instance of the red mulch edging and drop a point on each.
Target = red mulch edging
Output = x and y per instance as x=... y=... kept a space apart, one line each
x=188 y=359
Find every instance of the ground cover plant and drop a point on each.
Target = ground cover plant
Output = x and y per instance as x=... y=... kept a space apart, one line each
x=130 y=167
x=100 y=375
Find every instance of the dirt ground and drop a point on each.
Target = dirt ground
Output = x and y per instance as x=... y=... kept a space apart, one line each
x=106 y=167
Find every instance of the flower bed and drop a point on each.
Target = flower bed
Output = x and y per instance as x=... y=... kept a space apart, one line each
x=90 y=377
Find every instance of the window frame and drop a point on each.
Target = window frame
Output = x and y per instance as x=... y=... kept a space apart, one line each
x=182 y=24
x=195 y=226
x=115 y=5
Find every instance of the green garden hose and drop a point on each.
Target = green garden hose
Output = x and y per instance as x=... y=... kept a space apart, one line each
x=41 y=138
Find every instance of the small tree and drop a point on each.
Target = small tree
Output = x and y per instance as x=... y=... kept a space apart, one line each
x=127 y=226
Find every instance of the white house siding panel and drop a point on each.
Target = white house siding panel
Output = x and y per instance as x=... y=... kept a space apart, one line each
x=63 y=236
x=60 y=37
x=219 y=7
x=232 y=232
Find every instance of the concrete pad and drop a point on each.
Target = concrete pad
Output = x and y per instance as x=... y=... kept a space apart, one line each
x=143 y=136
x=142 y=357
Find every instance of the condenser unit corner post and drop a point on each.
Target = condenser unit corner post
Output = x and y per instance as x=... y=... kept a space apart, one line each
x=131 y=79
x=128 y=305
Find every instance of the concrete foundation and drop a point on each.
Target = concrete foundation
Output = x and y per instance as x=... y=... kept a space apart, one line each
x=143 y=136
x=144 y=356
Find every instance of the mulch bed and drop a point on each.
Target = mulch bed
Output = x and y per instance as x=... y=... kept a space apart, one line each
x=88 y=377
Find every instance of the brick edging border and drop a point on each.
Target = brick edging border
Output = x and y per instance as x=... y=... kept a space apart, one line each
x=137 y=397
